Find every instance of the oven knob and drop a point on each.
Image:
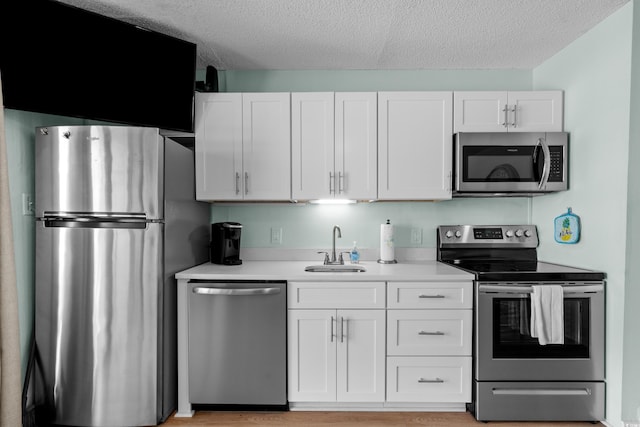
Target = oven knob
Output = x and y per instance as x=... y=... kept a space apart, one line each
x=519 y=233
x=509 y=233
x=458 y=234
x=449 y=234
x=527 y=233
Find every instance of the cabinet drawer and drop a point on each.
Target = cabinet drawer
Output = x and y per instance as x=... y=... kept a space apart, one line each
x=429 y=332
x=430 y=295
x=336 y=295
x=429 y=379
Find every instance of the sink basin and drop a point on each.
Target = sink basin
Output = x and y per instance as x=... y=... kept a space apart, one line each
x=322 y=268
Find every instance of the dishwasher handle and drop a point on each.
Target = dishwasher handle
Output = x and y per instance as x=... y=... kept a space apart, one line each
x=236 y=291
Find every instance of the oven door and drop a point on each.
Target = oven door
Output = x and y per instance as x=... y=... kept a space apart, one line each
x=506 y=351
x=504 y=163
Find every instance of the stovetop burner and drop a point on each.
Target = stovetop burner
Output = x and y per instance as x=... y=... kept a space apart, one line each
x=502 y=253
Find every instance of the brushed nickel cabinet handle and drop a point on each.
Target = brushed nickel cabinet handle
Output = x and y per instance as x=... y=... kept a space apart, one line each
x=425 y=380
x=430 y=333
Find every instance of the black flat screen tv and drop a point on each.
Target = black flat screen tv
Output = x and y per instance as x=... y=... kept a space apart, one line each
x=63 y=60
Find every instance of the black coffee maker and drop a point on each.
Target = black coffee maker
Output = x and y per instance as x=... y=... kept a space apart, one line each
x=225 y=243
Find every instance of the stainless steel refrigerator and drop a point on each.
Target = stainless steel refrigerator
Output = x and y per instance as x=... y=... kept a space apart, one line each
x=116 y=218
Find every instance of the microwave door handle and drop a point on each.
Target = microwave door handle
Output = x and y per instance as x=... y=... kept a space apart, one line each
x=547 y=163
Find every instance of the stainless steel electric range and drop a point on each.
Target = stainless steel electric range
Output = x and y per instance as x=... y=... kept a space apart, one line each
x=515 y=377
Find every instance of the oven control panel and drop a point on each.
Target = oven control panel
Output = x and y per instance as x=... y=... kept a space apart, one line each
x=488 y=235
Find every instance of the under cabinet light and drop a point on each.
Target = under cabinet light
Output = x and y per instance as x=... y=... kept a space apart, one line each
x=332 y=201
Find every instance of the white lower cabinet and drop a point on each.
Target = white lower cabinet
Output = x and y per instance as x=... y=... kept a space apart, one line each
x=336 y=350
x=379 y=344
x=429 y=327
x=336 y=355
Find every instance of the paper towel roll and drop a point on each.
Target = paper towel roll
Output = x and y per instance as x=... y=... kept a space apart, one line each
x=386 y=243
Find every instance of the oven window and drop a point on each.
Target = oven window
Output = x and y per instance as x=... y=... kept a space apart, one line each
x=499 y=164
x=512 y=330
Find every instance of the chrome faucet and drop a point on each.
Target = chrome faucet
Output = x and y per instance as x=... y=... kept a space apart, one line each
x=333 y=248
x=334 y=260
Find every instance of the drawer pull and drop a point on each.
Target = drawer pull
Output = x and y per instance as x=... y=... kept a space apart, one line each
x=430 y=333
x=424 y=380
x=430 y=296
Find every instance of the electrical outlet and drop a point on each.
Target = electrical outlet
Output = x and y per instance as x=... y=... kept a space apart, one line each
x=27 y=204
x=416 y=236
x=276 y=235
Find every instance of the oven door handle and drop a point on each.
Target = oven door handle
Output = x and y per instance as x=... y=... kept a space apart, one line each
x=528 y=289
x=542 y=391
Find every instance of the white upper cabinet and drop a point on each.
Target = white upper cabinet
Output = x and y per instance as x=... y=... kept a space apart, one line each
x=334 y=144
x=312 y=147
x=243 y=146
x=415 y=133
x=218 y=146
x=525 y=111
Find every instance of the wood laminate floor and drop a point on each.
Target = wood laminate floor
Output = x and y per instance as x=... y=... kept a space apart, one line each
x=349 y=419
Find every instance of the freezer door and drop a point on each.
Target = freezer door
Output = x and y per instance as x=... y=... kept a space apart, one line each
x=101 y=169
x=97 y=297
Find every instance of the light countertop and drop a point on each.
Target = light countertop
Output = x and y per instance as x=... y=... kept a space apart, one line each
x=294 y=271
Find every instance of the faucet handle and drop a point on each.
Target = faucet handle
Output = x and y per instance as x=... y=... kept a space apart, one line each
x=326 y=256
x=342 y=259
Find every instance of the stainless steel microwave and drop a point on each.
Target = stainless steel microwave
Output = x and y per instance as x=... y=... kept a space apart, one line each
x=509 y=164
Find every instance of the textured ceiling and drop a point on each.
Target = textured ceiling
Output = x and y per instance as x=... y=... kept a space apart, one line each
x=365 y=34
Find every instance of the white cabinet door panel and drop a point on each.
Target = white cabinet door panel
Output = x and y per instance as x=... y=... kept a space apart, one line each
x=361 y=356
x=218 y=146
x=540 y=111
x=266 y=146
x=312 y=355
x=415 y=133
x=312 y=134
x=356 y=147
x=480 y=111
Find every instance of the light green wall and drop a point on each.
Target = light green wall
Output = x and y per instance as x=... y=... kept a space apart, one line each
x=372 y=80
x=595 y=73
x=310 y=226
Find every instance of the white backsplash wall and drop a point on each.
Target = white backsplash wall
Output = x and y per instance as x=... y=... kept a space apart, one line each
x=310 y=226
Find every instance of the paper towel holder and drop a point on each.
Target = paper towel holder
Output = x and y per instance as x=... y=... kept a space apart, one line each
x=393 y=261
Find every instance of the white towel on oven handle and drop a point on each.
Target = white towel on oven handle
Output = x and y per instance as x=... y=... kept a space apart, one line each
x=547 y=314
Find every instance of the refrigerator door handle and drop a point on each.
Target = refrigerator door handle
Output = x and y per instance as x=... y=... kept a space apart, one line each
x=90 y=221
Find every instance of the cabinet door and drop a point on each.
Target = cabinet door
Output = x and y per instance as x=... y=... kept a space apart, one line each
x=312 y=355
x=312 y=121
x=356 y=145
x=361 y=356
x=266 y=146
x=415 y=135
x=218 y=146
x=539 y=111
x=480 y=112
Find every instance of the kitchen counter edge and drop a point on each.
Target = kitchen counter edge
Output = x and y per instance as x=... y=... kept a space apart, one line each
x=294 y=271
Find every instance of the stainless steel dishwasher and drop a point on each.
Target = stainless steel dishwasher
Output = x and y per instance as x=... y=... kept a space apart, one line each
x=237 y=343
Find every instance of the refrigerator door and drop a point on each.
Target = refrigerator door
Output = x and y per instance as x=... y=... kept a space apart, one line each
x=99 y=169
x=97 y=294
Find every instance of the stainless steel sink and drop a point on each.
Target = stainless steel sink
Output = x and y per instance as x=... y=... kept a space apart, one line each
x=337 y=268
